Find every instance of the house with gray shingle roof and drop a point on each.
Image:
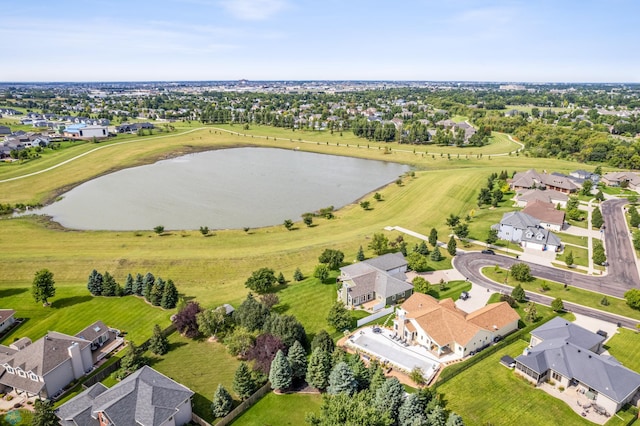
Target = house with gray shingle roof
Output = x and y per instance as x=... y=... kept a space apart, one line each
x=145 y=398
x=6 y=319
x=527 y=231
x=568 y=354
x=381 y=279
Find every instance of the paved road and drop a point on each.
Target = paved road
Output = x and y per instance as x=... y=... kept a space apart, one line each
x=622 y=272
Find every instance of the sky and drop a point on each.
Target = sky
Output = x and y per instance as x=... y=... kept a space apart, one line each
x=437 y=40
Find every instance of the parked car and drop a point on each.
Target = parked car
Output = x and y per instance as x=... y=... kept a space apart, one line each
x=488 y=251
x=464 y=295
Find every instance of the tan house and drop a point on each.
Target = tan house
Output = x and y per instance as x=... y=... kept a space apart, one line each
x=549 y=217
x=631 y=180
x=532 y=179
x=442 y=328
x=526 y=196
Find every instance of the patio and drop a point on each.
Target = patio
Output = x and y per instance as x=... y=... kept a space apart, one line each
x=12 y=399
x=578 y=402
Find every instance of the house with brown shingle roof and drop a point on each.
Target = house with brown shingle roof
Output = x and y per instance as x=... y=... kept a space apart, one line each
x=6 y=319
x=532 y=179
x=546 y=213
x=526 y=196
x=442 y=328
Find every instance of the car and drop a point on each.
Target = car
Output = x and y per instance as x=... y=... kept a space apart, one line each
x=488 y=251
x=464 y=295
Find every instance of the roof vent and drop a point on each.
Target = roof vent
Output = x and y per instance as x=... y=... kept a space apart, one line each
x=578 y=350
x=589 y=356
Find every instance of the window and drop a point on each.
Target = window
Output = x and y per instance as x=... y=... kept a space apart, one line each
x=393 y=297
x=556 y=376
x=10 y=370
x=21 y=373
x=33 y=377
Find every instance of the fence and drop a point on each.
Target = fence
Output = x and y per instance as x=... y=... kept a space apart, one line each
x=245 y=405
x=375 y=316
x=199 y=420
x=102 y=374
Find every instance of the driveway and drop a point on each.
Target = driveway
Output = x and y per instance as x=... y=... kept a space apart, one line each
x=478 y=298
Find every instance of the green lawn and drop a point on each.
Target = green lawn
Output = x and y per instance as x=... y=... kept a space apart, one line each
x=452 y=289
x=570 y=294
x=280 y=410
x=580 y=255
x=200 y=366
x=573 y=239
x=625 y=346
x=73 y=309
x=11 y=418
x=489 y=393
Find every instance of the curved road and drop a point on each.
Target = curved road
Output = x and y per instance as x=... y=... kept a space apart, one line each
x=622 y=271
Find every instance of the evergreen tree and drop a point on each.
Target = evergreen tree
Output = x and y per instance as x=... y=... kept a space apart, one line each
x=437 y=417
x=360 y=372
x=360 y=255
x=147 y=285
x=243 y=383
x=341 y=380
x=318 y=369
x=454 y=420
x=339 y=318
x=138 y=285
x=169 y=296
x=131 y=361
x=109 y=285
x=158 y=344
x=423 y=249
x=281 y=279
x=518 y=293
x=128 y=285
x=339 y=355
x=452 y=246
x=44 y=413
x=433 y=237
x=155 y=297
x=389 y=397
x=323 y=341
x=94 y=285
x=532 y=312
x=596 y=218
x=436 y=256
x=43 y=286
x=377 y=377
x=251 y=314
x=297 y=275
x=569 y=259
x=280 y=374
x=222 y=402
x=411 y=409
x=298 y=361
x=557 y=305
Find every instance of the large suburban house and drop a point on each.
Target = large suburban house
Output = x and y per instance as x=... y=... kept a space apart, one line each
x=469 y=130
x=381 y=279
x=6 y=319
x=532 y=179
x=527 y=231
x=526 y=196
x=145 y=398
x=442 y=328
x=83 y=131
x=568 y=354
x=546 y=213
x=628 y=179
x=46 y=366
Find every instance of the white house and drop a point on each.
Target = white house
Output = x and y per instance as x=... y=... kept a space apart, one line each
x=526 y=230
x=6 y=319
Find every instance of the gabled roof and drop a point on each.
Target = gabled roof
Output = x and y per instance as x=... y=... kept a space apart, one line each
x=549 y=195
x=559 y=328
x=5 y=314
x=519 y=220
x=387 y=262
x=92 y=332
x=544 y=212
x=77 y=411
x=540 y=235
x=145 y=398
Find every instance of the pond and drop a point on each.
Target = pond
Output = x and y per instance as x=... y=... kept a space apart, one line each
x=222 y=189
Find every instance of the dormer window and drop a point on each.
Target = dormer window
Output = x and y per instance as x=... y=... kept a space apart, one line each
x=21 y=373
x=33 y=377
x=529 y=234
x=539 y=237
x=10 y=370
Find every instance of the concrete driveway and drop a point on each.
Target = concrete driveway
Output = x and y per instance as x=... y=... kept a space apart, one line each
x=478 y=298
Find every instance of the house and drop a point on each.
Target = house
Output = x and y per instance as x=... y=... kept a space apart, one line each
x=532 y=179
x=133 y=127
x=97 y=333
x=6 y=319
x=583 y=175
x=628 y=179
x=546 y=213
x=525 y=196
x=381 y=279
x=442 y=328
x=526 y=230
x=568 y=354
x=145 y=398
x=82 y=131
x=4 y=130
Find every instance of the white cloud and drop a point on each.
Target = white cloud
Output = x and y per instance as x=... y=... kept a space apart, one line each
x=253 y=10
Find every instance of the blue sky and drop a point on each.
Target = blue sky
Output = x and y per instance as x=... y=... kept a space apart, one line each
x=472 y=40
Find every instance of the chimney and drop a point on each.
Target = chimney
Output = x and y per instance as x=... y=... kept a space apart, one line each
x=76 y=360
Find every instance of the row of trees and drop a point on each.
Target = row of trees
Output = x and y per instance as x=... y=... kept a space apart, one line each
x=155 y=290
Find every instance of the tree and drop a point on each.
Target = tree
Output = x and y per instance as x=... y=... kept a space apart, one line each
x=239 y=342
x=509 y=299
x=484 y=197
x=532 y=312
x=43 y=286
x=598 y=256
x=332 y=258
x=308 y=220
x=600 y=196
x=204 y=230
x=286 y=327
x=360 y=372
x=44 y=413
x=422 y=248
x=339 y=318
x=360 y=255
x=342 y=380
x=569 y=259
x=349 y=410
x=557 y=305
x=454 y=420
x=131 y=361
x=297 y=275
x=281 y=279
x=417 y=376
x=251 y=314
x=498 y=195
x=411 y=411
x=377 y=196
x=389 y=397
x=269 y=300
x=212 y=321
x=128 y=285
x=297 y=360
x=109 y=285
x=158 y=344
x=138 y=285
x=633 y=298
x=288 y=223
x=280 y=374
x=186 y=322
x=323 y=341
x=94 y=285
x=417 y=262
x=436 y=256
x=321 y=272
x=261 y=280
x=222 y=402
x=243 y=384
x=596 y=218
x=492 y=237
x=366 y=205
x=437 y=417
x=433 y=237
x=318 y=369
x=147 y=285
x=518 y=293
x=421 y=285
x=521 y=272
x=264 y=350
x=379 y=244
x=452 y=221
x=461 y=230
x=634 y=220
x=587 y=185
x=169 y=296
x=452 y=246
x=159 y=229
